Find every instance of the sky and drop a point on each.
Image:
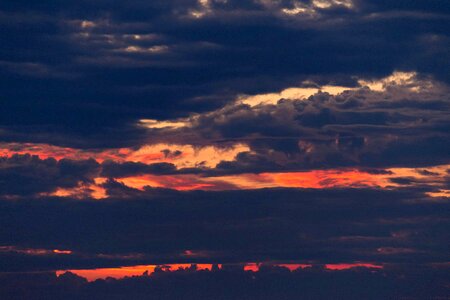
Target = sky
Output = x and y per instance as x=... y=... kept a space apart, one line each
x=293 y=132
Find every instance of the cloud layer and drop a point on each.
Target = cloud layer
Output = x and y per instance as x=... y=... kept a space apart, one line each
x=163 y=226
x=83 y=72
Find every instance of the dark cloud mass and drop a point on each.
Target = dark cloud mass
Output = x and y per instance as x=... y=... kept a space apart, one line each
x=81 y=73
x=27 y=175
x=158 y=226
x=270 y=282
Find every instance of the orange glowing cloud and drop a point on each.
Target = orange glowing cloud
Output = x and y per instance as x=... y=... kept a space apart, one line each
x=337 y=178
x=440 y=194
x=183 y=156
x=188 y=156
x=326 y=179
x=177 y=182
x=318 y=179
x=45 y=151
x=310 y=179
x=91 y=190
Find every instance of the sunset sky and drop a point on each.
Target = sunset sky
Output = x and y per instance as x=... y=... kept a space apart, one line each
x=294 y=132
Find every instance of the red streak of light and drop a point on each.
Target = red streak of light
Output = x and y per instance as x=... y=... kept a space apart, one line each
x=325 y=179
x=293 y=267
x=178 y=182
x=57 y=251
x=251 y=267
x=354 y=265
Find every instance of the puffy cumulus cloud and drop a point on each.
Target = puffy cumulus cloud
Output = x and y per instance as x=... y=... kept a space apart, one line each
x=82 y=73
x=155 y=227
x=401 y=120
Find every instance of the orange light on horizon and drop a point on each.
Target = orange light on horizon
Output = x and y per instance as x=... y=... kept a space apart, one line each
x=121 y=272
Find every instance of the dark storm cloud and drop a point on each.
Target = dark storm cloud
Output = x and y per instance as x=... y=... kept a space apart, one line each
x=81 y=73
x=320 y=226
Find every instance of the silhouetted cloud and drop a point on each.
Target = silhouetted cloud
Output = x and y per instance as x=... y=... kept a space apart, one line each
x=232 y=282
x=29 y=175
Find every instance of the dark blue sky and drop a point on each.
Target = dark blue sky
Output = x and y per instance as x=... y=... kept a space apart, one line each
x=241 y=131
